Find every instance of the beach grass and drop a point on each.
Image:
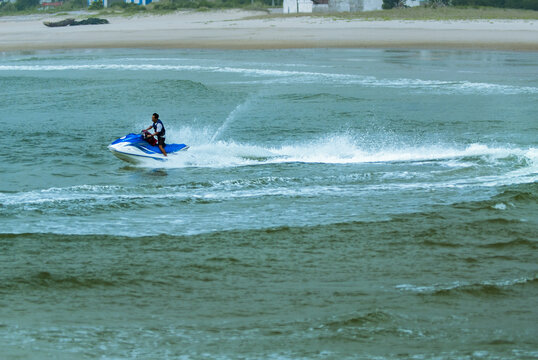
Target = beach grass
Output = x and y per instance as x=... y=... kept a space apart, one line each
x=424 y=13
x=414 y=13
x=411 y=13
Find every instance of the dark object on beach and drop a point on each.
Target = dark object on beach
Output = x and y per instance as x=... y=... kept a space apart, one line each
x=65 y=22
x=91 y=21
x=73 y=22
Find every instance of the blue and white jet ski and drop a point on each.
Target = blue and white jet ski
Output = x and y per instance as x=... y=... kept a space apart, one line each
x=134 y=148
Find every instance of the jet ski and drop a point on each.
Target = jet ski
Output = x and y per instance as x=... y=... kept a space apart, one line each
x=135 y=148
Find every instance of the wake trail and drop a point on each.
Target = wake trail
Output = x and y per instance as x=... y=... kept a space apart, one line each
x=351 y=149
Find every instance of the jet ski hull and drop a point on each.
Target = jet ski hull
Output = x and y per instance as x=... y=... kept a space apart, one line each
x=134 y=149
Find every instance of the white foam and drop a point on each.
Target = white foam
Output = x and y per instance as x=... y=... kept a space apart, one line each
x=500 y=206
x=346 y=148
x=289 y=76
x=331 y=149
x=342 y=148
x=460 y=284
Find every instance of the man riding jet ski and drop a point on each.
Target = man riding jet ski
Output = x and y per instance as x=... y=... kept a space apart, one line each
x=160 y=132
x=134 y=148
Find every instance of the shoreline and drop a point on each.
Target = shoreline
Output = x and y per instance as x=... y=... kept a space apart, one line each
x=233 y=29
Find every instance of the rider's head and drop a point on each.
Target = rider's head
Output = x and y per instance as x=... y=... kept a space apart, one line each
x=155 y=117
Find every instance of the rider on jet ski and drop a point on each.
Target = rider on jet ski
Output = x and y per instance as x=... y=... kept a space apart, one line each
x=159 y=131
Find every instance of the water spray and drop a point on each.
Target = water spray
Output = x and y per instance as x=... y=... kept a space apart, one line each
x=231 y=117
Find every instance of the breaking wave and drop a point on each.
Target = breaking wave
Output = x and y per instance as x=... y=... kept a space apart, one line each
x=485 y=288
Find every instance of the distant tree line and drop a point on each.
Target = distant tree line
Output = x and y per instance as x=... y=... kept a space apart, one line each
x=512 y=4
x=22 y=5
x=195 y=4
x=390 y=4
x=26 y=4
x=19 y=5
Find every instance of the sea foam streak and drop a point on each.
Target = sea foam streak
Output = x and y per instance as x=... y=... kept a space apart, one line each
x=465 y=286
x=289 y=76
x=335 y=150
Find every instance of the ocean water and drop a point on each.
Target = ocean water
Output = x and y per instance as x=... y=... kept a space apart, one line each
x=333 y=204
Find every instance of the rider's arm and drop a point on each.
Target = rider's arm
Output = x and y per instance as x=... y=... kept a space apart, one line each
x=156 y=133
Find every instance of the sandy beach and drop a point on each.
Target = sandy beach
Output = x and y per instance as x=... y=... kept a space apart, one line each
x=232 y=29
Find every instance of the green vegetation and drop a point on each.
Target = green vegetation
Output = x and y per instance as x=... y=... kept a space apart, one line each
x=424 y=13
x=120 y=7
x=396 y=9
x=33 y=6
x=390 y=4
x=513 y=4
x=445 y=13
x=26 y=4
x=96 y=5
x=173 y=5
x=510 y=4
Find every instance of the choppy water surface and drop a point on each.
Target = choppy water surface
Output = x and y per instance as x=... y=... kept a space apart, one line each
x=340 y=204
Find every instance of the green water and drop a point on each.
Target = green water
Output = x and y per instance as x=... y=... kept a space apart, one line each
x=333 y=204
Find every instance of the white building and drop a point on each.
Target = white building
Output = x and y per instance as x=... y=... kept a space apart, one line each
x=371 y=5
x=309 y=6
x=297 y=6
